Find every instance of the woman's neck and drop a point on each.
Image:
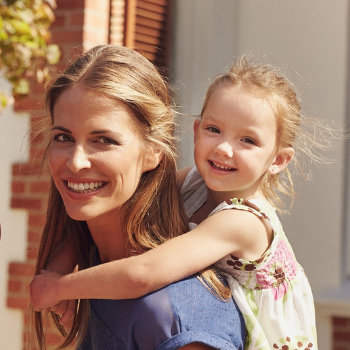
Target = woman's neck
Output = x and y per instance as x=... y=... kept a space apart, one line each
x=109 y=239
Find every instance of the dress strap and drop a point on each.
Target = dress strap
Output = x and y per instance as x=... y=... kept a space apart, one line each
x=241 y=204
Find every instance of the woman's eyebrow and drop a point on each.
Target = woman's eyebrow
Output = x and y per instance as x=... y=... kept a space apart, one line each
x=61 y=128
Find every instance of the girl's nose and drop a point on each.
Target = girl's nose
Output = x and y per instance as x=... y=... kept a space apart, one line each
x=78 y=160
x=225 y=149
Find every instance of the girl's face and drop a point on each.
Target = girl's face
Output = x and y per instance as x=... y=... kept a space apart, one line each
x=96 y=155
x=235 y=142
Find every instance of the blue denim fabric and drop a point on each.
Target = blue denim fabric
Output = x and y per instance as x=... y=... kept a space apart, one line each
x=182 y=313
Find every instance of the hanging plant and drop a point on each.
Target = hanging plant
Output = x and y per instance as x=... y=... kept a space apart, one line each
x=25 y=51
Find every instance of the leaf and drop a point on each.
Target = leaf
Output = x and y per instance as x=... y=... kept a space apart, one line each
x=21 y=87
x=3 y=100
x=53 y=54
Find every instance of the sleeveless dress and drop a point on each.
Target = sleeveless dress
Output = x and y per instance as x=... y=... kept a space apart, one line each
x=272 y=292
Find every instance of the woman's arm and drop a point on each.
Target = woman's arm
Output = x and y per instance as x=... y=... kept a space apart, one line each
x=230 y=231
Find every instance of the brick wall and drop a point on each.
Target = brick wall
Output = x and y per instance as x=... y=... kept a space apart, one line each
x=78 y=24
x=341 y=333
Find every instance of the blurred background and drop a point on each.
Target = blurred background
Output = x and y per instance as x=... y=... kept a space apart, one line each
x=191 y=41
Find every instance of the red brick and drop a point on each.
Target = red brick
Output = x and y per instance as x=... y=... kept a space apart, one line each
x=21 y=269
x=26 y=169
x=14 y=286
x=339 y=321
x=18 y=186
x=28 y=104
x=25 y=203
x=341 y=336
x=33 y=236
x=32 y=253
x=69 y=4
x=58 y=22
x=18 y=303
x=77 y=19
x=40 y=187
x=36 y=220
x=68 y=37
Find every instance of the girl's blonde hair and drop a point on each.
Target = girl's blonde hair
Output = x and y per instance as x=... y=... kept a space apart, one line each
x=265 y=81
x=154 y=213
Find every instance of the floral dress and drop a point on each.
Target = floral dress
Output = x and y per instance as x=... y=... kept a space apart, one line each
x=272 y=292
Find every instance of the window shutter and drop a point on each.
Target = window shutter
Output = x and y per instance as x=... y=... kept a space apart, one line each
x=146 y=29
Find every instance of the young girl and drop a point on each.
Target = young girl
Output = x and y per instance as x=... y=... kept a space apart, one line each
x=244 y=141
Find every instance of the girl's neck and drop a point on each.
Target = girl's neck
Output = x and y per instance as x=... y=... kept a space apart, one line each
x=214 y=198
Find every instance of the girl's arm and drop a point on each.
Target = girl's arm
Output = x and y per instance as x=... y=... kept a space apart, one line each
x=64 y=259
x=230 y=231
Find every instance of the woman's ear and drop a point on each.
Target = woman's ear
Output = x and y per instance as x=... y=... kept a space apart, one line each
x=152 y=158
x=281 y=160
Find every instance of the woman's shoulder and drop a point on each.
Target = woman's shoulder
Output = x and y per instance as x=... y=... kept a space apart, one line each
x=182 y=313
x=204 y=317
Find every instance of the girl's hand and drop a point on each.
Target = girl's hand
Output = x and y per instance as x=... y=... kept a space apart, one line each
x=43 y=290
x=65 y=310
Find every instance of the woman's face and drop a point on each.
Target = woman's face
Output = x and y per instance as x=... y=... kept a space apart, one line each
x=96 y=155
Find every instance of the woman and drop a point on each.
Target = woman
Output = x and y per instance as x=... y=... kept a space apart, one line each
x=114 y=194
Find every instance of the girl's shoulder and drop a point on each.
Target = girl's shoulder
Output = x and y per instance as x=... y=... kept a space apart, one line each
x=181 y=176
x=258 y=206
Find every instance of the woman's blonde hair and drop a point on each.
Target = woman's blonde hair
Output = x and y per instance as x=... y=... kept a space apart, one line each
x=154 y=213
x=265 y=81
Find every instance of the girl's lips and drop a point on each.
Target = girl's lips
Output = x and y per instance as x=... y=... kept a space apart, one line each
x=222 y=167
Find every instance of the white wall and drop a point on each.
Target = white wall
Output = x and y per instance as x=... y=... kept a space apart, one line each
x=308 y=39
x=13 y=149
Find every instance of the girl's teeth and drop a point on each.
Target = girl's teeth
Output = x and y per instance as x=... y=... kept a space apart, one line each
x=221 y=167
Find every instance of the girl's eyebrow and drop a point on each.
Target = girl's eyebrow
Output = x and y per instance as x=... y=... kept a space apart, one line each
x=95 y=132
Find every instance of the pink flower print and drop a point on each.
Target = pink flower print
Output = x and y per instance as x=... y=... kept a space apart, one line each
x=280 y=269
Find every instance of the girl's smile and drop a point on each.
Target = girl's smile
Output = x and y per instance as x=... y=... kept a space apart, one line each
x=235 y=142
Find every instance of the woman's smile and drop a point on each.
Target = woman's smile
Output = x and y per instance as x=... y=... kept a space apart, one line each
x=96 y=154
x=84 y=187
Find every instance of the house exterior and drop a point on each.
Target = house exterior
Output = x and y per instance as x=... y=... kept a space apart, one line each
x=195 y=40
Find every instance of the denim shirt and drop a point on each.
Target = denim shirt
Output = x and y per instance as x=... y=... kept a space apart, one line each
x=179 y=314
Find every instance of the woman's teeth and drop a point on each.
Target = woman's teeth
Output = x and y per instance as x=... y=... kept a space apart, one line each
x=85 y=187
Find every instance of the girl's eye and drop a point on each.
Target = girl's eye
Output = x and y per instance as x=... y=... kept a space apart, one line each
x=213 y=129
x=106 y=140
x=248 y=140
x=63 y=138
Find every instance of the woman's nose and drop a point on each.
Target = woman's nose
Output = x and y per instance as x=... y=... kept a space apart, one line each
x=225 y=149
x=78 y=159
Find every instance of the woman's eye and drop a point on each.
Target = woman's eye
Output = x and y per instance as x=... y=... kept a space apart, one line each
x=248 y=140
x=63 y=138
x=106 y=140
x=213 y=129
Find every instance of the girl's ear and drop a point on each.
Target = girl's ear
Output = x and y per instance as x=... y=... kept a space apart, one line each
x=152 y=158
x=281 y=160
